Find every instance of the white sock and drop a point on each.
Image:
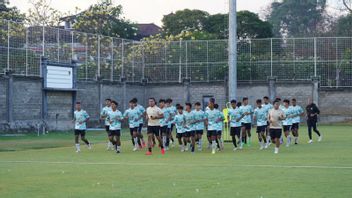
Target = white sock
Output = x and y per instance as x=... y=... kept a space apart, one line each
x=213 y=145
x=296 y=139
x=261 y=143
x=118 y=148
x=289 y=139
x=136 y=142
x=268 y=139
x=200 y=143
x=78 y=147
x=164 y=141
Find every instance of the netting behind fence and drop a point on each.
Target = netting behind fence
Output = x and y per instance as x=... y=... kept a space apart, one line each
x=115 y=59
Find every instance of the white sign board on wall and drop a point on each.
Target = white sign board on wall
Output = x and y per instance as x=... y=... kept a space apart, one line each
x=59 y=77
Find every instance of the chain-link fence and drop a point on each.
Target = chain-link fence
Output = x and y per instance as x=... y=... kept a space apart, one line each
x=115 y=59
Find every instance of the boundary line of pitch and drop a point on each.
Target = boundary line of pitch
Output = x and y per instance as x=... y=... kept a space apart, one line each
x=176 y=165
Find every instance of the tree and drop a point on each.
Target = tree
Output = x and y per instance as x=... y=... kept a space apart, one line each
x=217 y=24
x=42 y=14
x=297 y=18
x=348 y=5
x=251 y=26
x=10 y=13
x=344 y=26
x=105 y=19
x=184 y=20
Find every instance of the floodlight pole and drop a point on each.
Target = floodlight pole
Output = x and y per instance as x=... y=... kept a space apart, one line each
x=232 y=50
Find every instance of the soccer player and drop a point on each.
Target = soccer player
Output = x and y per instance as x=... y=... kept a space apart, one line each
x=164 y=122
x=260 y=116
x=211 y=117
x=180 y=122
x=267 y=106
x=103 y=116
x=235 y=124
x=199 y=117
x=133 y=115
x=154 y=114
x=246 y=111
x=276 y=115
x=189 y=126
x=80 y=119
x=141 y=111
x=219 y=127
x=296 y=119
x=115 y=118
x=312 y=119
x=173 y=112
x=287 y=123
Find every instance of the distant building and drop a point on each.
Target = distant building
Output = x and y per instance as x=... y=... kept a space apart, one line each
x=146 y=30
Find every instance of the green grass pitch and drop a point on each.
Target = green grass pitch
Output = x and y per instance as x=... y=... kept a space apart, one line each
x=47 y=166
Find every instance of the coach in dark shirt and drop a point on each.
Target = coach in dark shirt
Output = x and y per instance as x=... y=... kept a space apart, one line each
x=312 y=118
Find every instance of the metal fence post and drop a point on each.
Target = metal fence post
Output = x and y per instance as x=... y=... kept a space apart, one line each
x=98 y=55
x=143 y=62
x=86 y=60
x=122 y=58
x=337 y=64
x=132 y=62
x=207 y=61
x=180 y=64
x=271 y=57
x=315 y=57
x=250 y=60
x=186 y=59
x=27 y=51
x=112 y=60
x=8 y=45
x=43 y=41
x=72 y=48
x=58 y=45
x=165 y=62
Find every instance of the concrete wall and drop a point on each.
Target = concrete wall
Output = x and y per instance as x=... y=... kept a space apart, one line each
x=335 y=104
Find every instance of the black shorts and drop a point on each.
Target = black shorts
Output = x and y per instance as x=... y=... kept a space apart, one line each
x=172 y=127
x=212 y=133
x=295 y=126
x=199 y=132
x=82 y=133
x=190 y=133
x=261 y=129
x=115 y=133
x=287 y=127
x=107 y=128
x=133 y=129
x=218 y=133
x=163 y=130
x=247 y=126
x=179 y=135
x=235 y=131
x=140 y=128
x=154 y=130
x=275 y=133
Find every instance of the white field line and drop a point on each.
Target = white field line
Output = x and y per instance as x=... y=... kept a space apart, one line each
x=176 y=165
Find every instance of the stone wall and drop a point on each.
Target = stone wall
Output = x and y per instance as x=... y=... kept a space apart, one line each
x=27 y=100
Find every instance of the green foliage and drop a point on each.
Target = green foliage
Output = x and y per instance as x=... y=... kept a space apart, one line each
x=42 y=14
x=105 y=19
x=251 y=26
x=344 y=26
x=184 y=20
x=297 y=18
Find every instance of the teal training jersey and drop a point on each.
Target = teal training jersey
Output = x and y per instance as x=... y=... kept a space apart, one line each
x=133 y=116
x=104 y=113
x=219 y=124
x=261 y=116
x=141 y=111
x=248 y=118
x=298 y=110
x=166 y=119
x=199 y=117
x=114 y=118
x=180 y=121
x=80 y=119
x=267 y=107
x=189 y=116
x=288 y=112
x=234 y=114
x=212 y=116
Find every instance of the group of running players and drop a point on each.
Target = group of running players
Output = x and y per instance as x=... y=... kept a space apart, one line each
x=270 y=120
